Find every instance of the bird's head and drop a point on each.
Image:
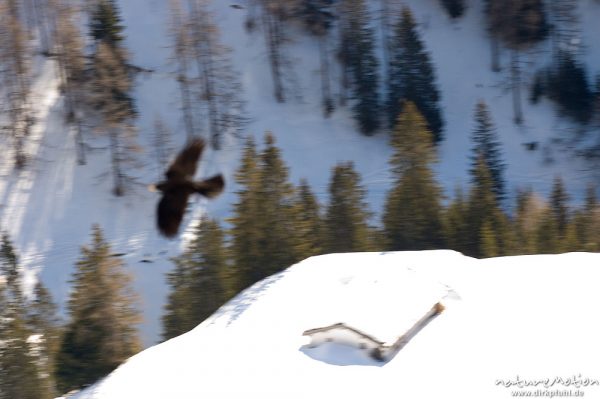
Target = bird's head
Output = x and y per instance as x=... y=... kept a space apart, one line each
x=156 y=187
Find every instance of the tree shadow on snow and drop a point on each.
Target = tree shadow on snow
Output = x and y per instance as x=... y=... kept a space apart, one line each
x=240 y=303
x=338 y=354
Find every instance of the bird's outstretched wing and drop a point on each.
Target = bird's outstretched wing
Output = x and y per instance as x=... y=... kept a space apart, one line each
x=184 y=166
x=170 y=210
x=210 y=187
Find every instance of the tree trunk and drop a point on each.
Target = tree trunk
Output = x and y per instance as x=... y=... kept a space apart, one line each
x=495 y=53
x=385 y=37
x=204 y=60
x=81 y=158
x=186 y=108
x=515 y=72
x=181 y=46
x=273 y=39
x=325 y=76
x=115 y=154
x=343 y=56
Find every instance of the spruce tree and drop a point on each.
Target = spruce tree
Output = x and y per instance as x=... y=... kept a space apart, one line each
x=20 y=376
x=455 y=8
x=587 y=222
x=568 y=86
x=412 y=215
x=264 y=235
x=529 y=213
x=197 y=286
x=346 y=219
x=559 y=199
x=488 y=241
x=454 y=219
x=44 y=323
x=101 y=333
x=487 y=225
x=358 y=45
x=309 y=223
x=548 y=236
x=105 y=23
x=245 y=231
x=412 y=77
x=487 y=145
x=277 y=211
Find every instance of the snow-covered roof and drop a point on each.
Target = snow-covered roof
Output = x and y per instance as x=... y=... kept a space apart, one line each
x=508 y=322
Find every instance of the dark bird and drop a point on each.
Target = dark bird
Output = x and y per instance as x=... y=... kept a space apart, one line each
x=179 y=185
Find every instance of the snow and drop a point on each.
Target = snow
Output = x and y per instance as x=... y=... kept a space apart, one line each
x=48 y=209
x=530 y=318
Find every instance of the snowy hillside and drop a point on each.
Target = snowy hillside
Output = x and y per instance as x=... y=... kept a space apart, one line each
x=528 y=319
x=49 y=208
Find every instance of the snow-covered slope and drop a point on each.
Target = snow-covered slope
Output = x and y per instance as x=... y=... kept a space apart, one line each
x=49 y=208
x=527 y=319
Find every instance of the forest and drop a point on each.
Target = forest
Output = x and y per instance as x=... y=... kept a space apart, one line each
x=372 y=62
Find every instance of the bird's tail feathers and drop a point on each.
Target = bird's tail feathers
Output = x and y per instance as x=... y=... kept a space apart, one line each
x=210 y=187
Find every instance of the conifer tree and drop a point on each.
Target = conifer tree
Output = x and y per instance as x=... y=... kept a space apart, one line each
x=44 y=324
x=105 y=23
x=245 y=231
x=487 y=225
x=454 y=220
x=412 y=77
x=347 y=215
x=488 y=241
x=559 y=205
x=587 y=222
x=412 y=215
x=101 y=333
x=455 y=8
x=264 y=236
x=197 y=286
x=486 y=144
x=548 y=236
x=280 y=246
x=19 y=374
x=309 y=223
x=530 y=211
x=568 y=86
x=358 y=49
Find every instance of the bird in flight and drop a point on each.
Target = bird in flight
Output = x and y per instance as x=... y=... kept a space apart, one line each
x=180 y=184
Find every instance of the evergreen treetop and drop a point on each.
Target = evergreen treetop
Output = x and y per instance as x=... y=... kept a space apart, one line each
x=412 y=141
x=487 y=145
x=105 y=23
x=358 y=48
x=347 y=215
x=101 y=333
x=198 y=285
x=412 y=77
x=412 y=215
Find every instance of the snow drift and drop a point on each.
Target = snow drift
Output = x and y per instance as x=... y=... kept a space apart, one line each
x=510 y=326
